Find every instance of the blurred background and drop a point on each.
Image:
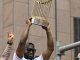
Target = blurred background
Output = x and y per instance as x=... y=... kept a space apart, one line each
x=14 y=13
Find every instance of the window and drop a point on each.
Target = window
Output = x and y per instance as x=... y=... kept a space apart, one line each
x=76 y=35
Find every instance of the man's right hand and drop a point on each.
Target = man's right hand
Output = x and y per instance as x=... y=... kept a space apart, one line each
x=28 y=22
x=24 y=37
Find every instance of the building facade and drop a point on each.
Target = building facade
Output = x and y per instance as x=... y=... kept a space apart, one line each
x=14 y=13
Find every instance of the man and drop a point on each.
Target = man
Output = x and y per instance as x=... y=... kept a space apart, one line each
x=27 y=51
x=6 y=54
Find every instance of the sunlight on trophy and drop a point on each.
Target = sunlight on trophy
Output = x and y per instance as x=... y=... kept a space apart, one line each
x=40 y=12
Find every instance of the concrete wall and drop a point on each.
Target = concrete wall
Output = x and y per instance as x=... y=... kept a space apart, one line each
x=14 y=13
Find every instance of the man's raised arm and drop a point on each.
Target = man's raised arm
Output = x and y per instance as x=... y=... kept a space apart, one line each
x=6 y=53
x=50 y=44
x=23 y=39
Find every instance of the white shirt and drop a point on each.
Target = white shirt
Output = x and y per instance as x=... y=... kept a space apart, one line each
x=15 y=57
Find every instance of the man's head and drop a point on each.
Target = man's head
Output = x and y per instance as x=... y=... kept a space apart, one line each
x=29 y=51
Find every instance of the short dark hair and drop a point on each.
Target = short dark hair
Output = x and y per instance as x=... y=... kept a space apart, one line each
x=30 y=46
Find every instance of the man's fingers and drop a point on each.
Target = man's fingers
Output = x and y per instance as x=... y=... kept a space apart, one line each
x=10 y=35
x=30 y=19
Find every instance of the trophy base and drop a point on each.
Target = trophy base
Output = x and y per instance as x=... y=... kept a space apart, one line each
x=41 y=21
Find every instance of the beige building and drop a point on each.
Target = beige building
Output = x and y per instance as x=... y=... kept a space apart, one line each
x=14 y=13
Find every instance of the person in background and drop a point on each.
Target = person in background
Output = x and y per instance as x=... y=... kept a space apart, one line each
x=6 y=53
x=78 y=56
x=26 y=51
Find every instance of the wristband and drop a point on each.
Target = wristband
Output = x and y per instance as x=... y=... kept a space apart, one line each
x=10 y=43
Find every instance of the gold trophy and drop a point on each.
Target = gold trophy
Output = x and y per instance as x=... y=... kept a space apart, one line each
x=40 y=12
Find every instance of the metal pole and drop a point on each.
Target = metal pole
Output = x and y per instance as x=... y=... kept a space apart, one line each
x=62 y=49
x=58 y=54
x=58 y=57
x=69 y=47
x=56 y=20
x=56 y=41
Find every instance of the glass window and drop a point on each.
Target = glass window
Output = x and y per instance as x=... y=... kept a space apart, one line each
x=76 y=36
